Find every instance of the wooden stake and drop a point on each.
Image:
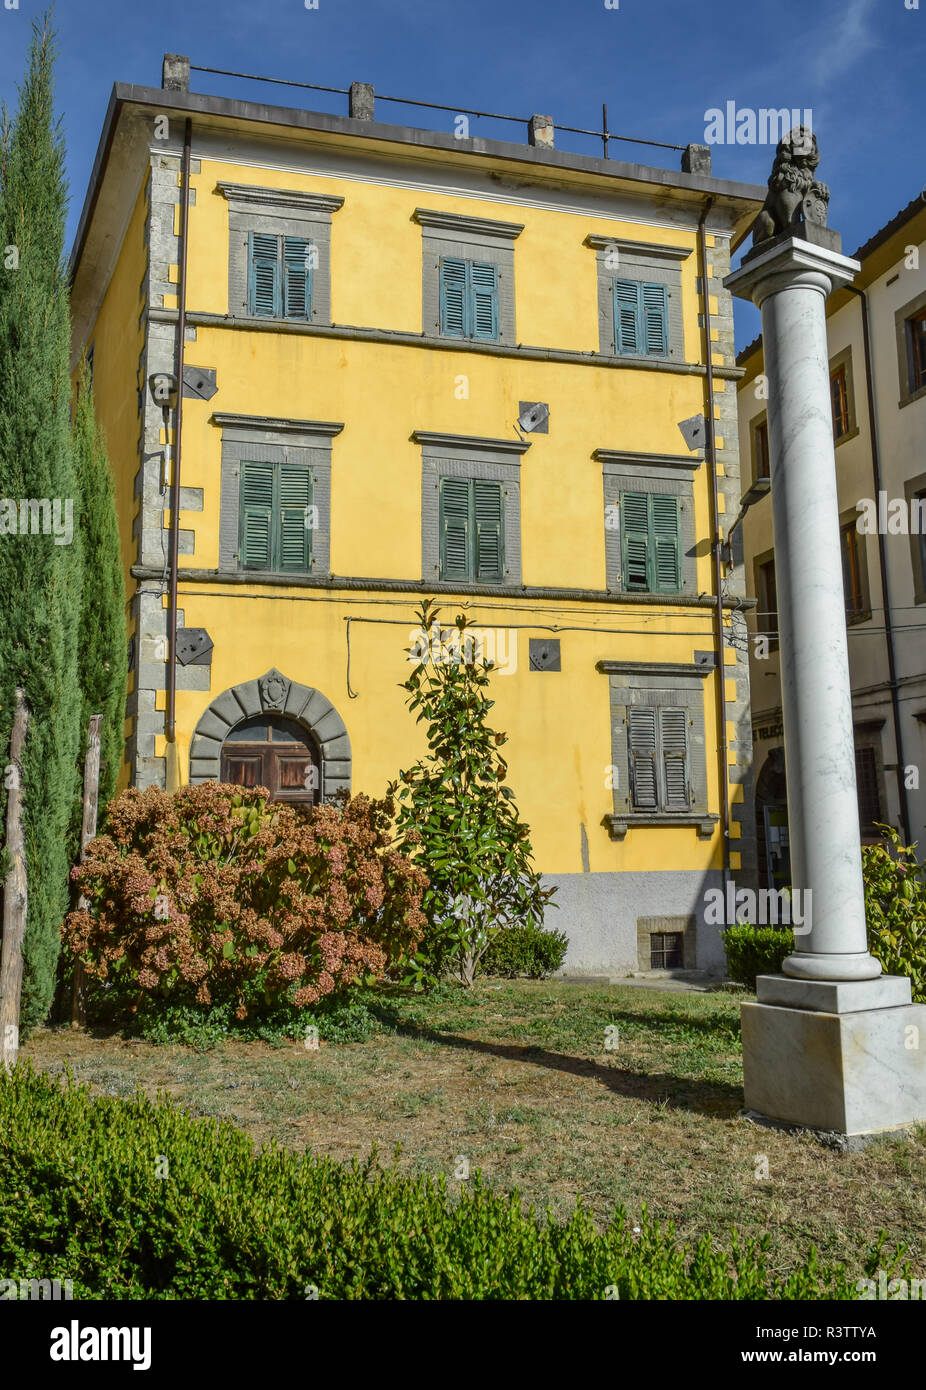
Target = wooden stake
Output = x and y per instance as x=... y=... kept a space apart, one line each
x=87 y=833
x=15 y=893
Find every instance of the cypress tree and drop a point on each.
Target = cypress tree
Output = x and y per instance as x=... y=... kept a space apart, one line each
x=40 y=572
x=102 y=644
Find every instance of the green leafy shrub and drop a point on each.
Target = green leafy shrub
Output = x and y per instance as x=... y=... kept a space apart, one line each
x=457 y=815
x=213 y=895
x=753 y=951
x=518 y=951
x=339 y=1019
x=895 y=908
x=87 y=1197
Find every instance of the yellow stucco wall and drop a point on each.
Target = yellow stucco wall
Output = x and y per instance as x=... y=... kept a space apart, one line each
x=558 y=723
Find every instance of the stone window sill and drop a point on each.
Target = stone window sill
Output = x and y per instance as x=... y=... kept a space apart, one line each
x=844 y=438
x=916 y=395
x=618 y=825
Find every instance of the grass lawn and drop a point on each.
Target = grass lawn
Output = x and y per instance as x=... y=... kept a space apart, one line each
x=519 y=1079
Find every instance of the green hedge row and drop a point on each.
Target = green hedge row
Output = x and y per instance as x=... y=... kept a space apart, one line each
x=531 y=952
x=136 y=1200
x=753 y=951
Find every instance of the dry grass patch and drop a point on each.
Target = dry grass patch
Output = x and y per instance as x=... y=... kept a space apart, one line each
x=519 y=1080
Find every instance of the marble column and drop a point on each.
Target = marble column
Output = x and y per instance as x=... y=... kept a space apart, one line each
x=789 y=283
x=831 y=1044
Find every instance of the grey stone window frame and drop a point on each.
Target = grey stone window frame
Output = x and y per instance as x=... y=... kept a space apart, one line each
x=763 y=619
x=466 y=456
x=264 y=439
x=844 y=359
x=866 y=734
x=916 y=488
x=659 y=685
x=902 y=318
x=647 y=927
x=646 y=263
x=670 y=475
x=847 y=519
x=279 y=212
x=755 y=425
x=470 y=239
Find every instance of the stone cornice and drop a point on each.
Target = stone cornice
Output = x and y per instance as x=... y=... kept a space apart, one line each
x=280 y=197
x=656 y=668
x=599 y=242
x=464 y=441
x=455 y=222
x=269 y=422
x=622 y=456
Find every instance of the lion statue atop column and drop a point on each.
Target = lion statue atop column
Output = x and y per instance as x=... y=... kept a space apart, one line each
x=794 y=196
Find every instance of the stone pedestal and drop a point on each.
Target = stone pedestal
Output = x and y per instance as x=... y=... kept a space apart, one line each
x=828 y=1045
x=844 y=1059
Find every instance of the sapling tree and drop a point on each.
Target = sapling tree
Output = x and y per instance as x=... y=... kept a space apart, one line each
x=457 y=817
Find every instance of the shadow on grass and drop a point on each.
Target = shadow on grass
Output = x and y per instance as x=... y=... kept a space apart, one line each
x=677 y=1092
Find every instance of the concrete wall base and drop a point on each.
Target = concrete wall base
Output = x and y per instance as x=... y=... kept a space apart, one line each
x=599 y=913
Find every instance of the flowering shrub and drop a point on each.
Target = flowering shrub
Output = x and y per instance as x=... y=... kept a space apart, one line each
x=212 y=893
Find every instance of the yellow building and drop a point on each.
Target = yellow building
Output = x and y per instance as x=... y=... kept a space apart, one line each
x=415 y=365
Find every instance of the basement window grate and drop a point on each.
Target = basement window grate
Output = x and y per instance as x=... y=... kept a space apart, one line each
x=666 y=950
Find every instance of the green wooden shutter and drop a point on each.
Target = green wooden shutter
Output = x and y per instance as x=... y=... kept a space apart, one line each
x=673 y=735
x=484 y=300
x=255 y=516
x=295 y=494
x=297 y=278
x=635 y=540
x=264 y=299
x=455 y=528
x=453 y=279
x=489 y=510
x=667 y=560
x=641 y=732
x=626 y=317
x=655 y=320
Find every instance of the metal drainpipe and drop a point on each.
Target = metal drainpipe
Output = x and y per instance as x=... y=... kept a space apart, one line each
x=882 y=561
x=715 y=546
x=178 y=425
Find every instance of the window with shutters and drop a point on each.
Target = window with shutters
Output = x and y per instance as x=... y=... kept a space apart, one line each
x=280 y=271
x=468 y=299
x=650 y=542
x=641 y=319
x=761 y=467
x=275 y=517
x=471 y=522
x=658 y=758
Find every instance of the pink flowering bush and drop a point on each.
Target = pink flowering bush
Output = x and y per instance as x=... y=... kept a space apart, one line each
x=215 y=894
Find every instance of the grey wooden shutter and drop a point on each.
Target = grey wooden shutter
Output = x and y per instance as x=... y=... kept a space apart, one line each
x=641 y=734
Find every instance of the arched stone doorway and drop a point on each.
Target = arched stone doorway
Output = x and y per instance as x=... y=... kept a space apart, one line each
x=276 y=730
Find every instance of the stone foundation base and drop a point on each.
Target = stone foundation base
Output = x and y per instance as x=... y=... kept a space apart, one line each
x=849 y=1072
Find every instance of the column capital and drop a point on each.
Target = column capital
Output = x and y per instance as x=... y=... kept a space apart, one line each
x=790 y=262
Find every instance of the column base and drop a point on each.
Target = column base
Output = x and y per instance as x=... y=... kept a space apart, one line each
x=845 y=1060
x=848 y=965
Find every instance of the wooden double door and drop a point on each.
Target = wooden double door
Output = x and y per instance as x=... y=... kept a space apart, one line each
x=277 y=753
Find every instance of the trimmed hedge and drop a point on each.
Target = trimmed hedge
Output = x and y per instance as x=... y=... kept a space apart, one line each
x=534 y=952
x=84 y=1199
x=753 y=951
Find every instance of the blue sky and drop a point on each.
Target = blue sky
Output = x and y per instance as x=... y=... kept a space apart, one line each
x=659 y=65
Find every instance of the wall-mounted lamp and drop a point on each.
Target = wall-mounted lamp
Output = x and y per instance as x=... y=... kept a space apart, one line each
x=759 y=489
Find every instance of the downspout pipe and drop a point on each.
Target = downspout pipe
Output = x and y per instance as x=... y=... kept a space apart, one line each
x=174 y=549
x=716 y=544
x=882 y=564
